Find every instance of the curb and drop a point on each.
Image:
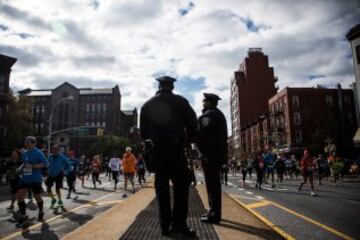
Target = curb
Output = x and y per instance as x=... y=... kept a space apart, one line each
x=275 y=228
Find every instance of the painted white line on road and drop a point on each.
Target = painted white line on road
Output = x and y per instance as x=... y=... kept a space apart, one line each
x=241 y=189
x=230 y=184
x=249 y=193
x=259 y=197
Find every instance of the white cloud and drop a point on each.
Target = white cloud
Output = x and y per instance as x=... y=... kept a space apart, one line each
x=127 y=42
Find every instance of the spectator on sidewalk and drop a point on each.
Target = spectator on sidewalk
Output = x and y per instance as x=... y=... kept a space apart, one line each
x=212 y=132
x=165 y=121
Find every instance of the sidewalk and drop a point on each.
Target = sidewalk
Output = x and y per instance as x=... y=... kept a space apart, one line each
x=137 y=218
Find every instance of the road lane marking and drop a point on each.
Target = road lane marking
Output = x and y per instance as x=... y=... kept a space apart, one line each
x=248 y=198
x=258 y=204
x=264 y=220
x=330 y=229
x=259 y=197
x=249 y=193
x=18 y=233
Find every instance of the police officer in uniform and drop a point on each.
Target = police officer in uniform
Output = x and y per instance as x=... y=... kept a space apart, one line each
x=212 y=131
x=167 y=121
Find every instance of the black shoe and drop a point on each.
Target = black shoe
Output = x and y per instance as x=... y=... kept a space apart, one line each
x=183 y=232
x=40 y=217
x=165 y=232
x=211 y=220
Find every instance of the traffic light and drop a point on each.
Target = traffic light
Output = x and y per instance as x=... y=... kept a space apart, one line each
x=100 y=132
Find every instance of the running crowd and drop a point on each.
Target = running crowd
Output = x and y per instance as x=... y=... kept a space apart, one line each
x=28 y=168
x=267 y=164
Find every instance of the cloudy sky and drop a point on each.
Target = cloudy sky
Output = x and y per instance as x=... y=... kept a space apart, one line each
x=98 y=43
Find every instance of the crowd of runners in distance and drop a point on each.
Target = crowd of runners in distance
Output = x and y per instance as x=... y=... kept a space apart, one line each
x=273 y=168
x=29 y=169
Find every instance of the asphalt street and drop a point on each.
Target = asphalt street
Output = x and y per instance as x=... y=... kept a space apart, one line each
x=84 y=205
x=332 y=214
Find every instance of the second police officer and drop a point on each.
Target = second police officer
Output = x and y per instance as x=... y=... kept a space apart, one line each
x=165 y=120
x=212 y=143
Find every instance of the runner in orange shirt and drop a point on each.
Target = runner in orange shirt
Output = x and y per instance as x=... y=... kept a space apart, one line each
x=129 y=166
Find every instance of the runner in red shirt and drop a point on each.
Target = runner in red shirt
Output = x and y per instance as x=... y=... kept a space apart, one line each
x=306 y=167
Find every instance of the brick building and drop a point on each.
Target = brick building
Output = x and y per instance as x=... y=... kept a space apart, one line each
x=252 y=85
x=77 y=122
x=312 y=118
x=6 y=63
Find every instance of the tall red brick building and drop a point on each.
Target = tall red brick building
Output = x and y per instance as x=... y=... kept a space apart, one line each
x=252 y=85
x=312 y=118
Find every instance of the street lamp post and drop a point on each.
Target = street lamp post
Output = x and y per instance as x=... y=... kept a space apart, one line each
x=69 y=98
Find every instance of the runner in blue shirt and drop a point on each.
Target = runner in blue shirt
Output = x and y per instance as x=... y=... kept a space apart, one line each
x=71 y=173
x=58 y=164
x=270 y=163
x=31 y=178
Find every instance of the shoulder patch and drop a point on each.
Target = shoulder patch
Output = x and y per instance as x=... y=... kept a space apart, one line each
x=205 y=121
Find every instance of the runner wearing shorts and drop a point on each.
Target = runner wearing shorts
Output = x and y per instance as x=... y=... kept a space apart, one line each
x=114 y=166
x=129 y=166
x=31 y=178
x=71 y=174
x=58 y=164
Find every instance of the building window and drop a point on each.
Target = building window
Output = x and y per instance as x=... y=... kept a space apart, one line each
x=297 y=118
x=42 y=108
x=104 y=107
x=93 y=107
x=347 y=100
x=2 y=83
x=329 y=101
x=98 y=124
x=41 y=125
x=298 y=136
x=87 y=123
x=98 y=108
x=92 y=123
x=87 y=108
x=104 y=124
x=357 y=50
x=296 y=101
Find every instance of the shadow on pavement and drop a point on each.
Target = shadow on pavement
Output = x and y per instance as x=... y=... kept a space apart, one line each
x=263 y=233
x=45 y=233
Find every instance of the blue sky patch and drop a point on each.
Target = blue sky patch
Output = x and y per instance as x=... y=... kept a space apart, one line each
x=3 y=27
x=184 y=11
x=24 y=35
x=95 y=4
x=251 y=26
x=312 y=77
x=187 y=86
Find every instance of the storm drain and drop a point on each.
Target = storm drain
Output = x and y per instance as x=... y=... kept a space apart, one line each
x=146 y=225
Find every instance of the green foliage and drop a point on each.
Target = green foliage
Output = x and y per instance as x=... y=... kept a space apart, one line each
x=19 y=124
x=111 y=144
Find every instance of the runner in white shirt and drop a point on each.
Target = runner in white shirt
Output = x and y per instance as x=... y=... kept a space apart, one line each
x=114 y=165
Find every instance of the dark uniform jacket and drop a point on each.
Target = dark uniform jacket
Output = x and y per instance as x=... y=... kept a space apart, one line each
x=212 y=131
x=167 y=118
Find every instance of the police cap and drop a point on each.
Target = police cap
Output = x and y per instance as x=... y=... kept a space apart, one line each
x=211 y=97
x=165 y=79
